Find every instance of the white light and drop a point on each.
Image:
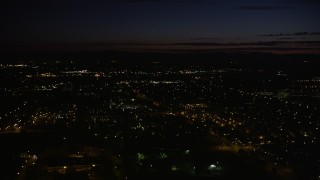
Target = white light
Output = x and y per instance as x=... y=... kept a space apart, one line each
x=212 y=166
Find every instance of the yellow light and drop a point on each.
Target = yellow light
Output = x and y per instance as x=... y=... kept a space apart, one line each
x=174 y=168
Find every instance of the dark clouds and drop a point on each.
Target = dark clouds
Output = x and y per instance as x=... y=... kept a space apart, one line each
x=259 y=43
x=163 y=23
x=205 y=39
x=292 y=34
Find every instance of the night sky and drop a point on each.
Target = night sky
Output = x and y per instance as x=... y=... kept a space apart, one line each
x=277 y=26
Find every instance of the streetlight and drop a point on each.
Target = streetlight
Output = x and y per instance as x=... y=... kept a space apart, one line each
x=211 y=168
